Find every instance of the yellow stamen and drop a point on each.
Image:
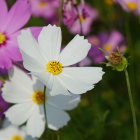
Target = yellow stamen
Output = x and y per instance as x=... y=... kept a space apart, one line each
x=17 y=138
x=38 y=97
x=131 y=5
x=107 y=47
x=81 y=18
x=54 y=67
x=2 y=38
x=42 y=3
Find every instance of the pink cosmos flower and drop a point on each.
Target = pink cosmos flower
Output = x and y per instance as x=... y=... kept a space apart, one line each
x=130 y=5
x=44 y=8
x=10 y=24
x=86 y=16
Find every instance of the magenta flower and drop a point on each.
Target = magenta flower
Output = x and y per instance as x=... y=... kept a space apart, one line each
x=10 y=24
x=86 y=16
x=3 y=105
x=107 y=42
x=44 y=8
x=130 y=5
x=70 y=14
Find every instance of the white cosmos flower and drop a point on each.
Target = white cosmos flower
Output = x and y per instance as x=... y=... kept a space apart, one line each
x=14 y=133
x=45 y=61
x=27 y=95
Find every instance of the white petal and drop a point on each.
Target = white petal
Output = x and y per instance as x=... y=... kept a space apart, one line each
x=89 y=75
x=50 y=41
x=58 y=87
x=75 y=51
x=36 y=123
x=19 y=88
x=64 y=102
x=38 y=85
x=19 y=114
x=74 y=85
x=16 y=75
x=79 y=80
x=56 y=118
x=44 y=77
x=30 y=49
x=31 y=64
x=13 y=93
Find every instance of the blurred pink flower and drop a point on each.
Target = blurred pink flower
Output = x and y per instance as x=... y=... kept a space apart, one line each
x=86 y=16
x=85 y=62
x=107 y=42
x=10 y=24
x=130 y=5
x=44 y=8
x=70 y=14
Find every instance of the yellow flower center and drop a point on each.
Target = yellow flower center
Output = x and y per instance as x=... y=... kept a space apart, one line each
x=81 y=18
x=38 y=97
x=131 y=5
x=17 y=138
x=54 y=67
x=107 y=47
x=2 y=38
x=42 y=3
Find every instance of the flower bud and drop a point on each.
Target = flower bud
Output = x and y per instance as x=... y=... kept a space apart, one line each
x=117 y=61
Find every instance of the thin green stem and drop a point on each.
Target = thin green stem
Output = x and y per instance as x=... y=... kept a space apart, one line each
x=44 y=104
x=132 y=52
x=61 y=12
x=131 y=105
x=58 y=136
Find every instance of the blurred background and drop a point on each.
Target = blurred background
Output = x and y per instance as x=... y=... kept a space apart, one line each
x=103 y=113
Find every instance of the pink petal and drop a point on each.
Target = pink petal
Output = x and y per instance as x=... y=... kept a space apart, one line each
x=3 y=13
x=18 y=16
x=35 y=31
x=12 y=46
x=5 y=62
x=13 y=52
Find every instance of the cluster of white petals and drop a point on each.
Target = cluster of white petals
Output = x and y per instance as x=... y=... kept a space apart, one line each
x=52 y=68
x=36 y=55
x=20 y=91
x=14 y=133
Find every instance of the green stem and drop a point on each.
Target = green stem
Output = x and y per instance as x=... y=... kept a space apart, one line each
x=44 y=104
x=60 y=12
x=132 y=53
x=131 y=105
x=58 y=136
